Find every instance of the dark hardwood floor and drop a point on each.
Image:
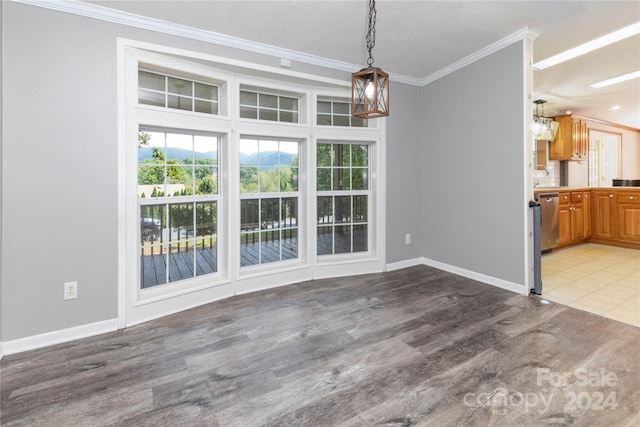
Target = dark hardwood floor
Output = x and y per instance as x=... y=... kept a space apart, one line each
x=415 y=347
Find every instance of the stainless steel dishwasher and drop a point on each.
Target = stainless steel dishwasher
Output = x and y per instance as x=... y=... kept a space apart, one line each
x=549 y=220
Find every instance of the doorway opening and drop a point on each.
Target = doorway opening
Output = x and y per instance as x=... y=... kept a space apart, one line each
x=605 y=158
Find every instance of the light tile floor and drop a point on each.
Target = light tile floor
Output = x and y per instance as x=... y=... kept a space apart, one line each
x=600 y=279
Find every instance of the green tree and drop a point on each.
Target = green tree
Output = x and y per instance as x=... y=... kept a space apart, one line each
x=360 y=155
x=149 y=172
x=207 y=186
x=269 y=181
x=177 y=174
x=288 y=179
x=143 y=141
x=248 y=179
x=324 y=154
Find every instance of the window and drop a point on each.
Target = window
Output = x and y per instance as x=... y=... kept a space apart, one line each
x=219 y=186
x=268 y=201
x=258 y=104
x=337 y=113
x=343 y=198
x=178 y=205
x=174 y=92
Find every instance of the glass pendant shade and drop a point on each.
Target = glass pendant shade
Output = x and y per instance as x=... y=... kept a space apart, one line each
x=370 y=93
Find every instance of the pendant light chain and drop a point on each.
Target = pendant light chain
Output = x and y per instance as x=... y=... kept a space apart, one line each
x=371 y=33
x=370 y=85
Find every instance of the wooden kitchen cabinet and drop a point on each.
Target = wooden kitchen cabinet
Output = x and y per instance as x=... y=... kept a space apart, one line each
x=572 y=139
x=564 y=224
x=604 y=218
x=576 y=211
x=571 y=218
x=628 y=207
x=586 y=201
x=608 y=216
x=580 y=138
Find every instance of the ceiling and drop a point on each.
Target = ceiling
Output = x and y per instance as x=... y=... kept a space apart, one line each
x=419 y=38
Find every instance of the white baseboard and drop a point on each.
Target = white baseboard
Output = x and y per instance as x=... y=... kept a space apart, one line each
x=57 y=337
x=405 y=264
x=489 y=280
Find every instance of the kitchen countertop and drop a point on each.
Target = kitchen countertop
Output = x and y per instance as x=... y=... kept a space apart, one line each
x=567 y=188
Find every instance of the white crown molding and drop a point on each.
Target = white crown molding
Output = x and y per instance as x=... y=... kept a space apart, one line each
x=110 y=15
x=125 y=18
x=522 y=34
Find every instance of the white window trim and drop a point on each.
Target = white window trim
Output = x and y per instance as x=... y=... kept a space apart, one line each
x=371 y=233
x=146 y=295
x=231 y=279
x=302 y=259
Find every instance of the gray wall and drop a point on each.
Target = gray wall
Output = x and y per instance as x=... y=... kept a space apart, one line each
x=1 y=170
x=404 y=148
x=473 y=167
x=60 y=187
x=59 y=213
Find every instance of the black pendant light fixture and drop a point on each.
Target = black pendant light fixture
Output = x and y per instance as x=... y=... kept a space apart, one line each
x=370 y=86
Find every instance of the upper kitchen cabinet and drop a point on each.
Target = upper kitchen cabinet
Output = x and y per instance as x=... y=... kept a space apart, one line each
x=572 y=139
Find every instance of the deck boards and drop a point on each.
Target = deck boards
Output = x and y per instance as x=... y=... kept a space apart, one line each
x=153 y=267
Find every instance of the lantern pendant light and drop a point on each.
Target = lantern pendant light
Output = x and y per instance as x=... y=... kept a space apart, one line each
x=370 y=86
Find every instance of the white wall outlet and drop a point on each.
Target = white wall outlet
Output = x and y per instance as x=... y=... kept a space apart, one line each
x=285 y=63
x=407 y=239
x=71 y=290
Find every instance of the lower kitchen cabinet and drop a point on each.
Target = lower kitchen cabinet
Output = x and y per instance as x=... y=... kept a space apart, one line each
x=607 y=215
x=577 y=222
x=577 y=216
x=571 y=217
x=564 y=225
x=586 y=201
x=604 y=220
x=629 y=216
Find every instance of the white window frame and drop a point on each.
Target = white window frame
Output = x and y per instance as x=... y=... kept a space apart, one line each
x=166 y=93
x=168 y=200
x=265 y=91
x=301 y=225
x=341 y=193
x=333 y=114
x=136 y=307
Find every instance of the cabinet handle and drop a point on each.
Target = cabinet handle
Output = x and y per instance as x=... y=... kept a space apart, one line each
x=631 y=197
x=610 y=195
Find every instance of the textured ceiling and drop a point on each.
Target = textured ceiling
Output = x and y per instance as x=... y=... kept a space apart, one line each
x=419 y=38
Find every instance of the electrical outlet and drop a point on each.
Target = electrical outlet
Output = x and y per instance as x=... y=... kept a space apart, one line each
x=407 y=239
x=71 y=290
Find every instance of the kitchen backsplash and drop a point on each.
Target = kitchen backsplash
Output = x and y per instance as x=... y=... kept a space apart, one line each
x=541 y=179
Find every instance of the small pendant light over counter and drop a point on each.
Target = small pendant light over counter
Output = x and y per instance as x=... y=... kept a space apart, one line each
x=370 y=86
x=543 y=128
